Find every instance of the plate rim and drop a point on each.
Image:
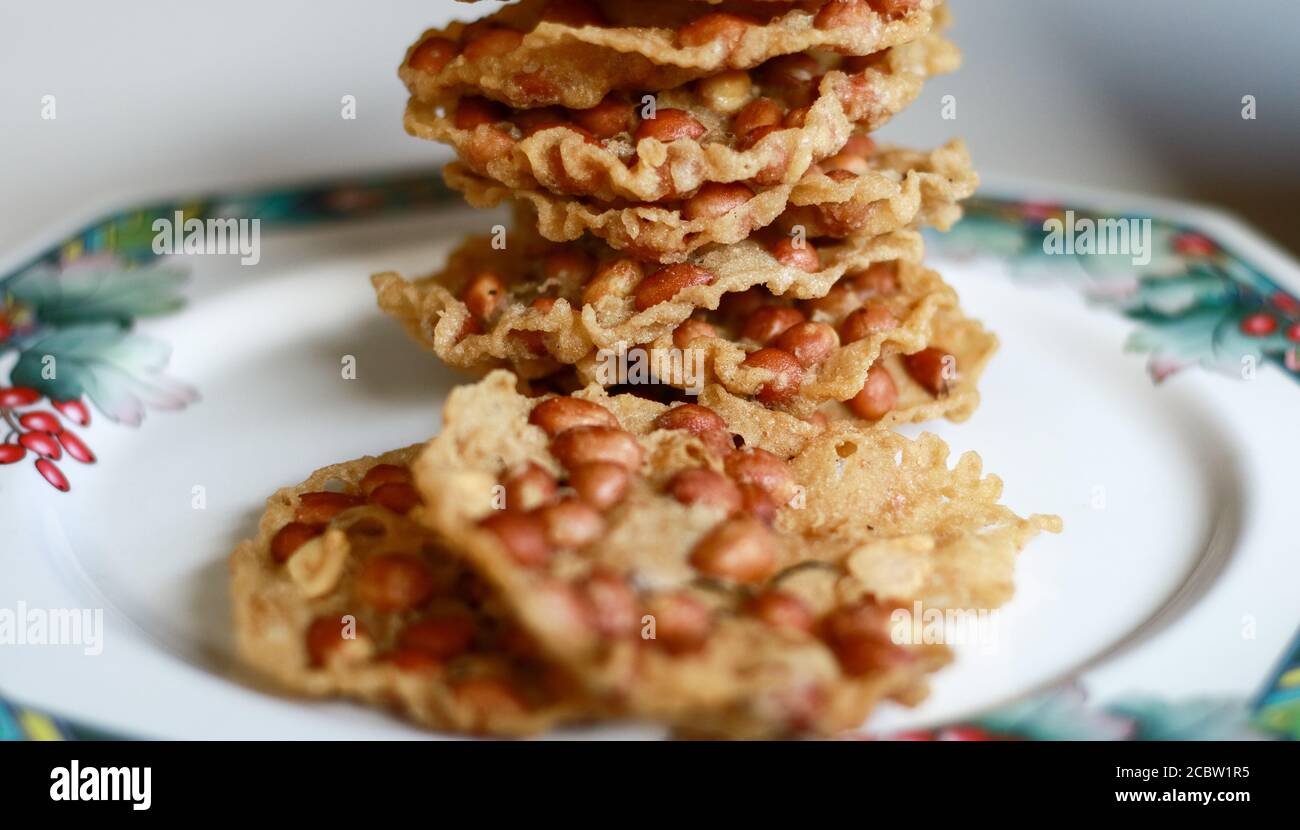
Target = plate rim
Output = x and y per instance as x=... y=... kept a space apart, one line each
x=1219 y=224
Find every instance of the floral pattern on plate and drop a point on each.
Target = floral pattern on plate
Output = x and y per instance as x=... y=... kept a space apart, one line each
x=1194 y=300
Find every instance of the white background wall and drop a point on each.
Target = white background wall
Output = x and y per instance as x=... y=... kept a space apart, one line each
x=157 y=97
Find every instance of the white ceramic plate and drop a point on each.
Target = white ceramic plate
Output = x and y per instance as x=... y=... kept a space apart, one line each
x=1174 y=578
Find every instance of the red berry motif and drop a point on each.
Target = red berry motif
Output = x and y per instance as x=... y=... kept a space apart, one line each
x=6 y=330
x=52 y=474
x=76 y=448
x=75 y=411
x=1194 y=244
x=1293 y=332
x=41 y=421
x=1258 y=324
x=11 y=396
x=41 y=443
x=1285 y=302
x=41 y=432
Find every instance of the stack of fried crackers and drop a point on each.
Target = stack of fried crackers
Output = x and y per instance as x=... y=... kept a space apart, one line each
x=716 y=542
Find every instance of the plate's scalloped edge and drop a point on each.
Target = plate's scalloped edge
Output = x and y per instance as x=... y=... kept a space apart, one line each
x=125 y=230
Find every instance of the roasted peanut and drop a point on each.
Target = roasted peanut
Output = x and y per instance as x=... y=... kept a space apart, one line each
x=396 y=496
x=589 y=444
x=433 y=54
x=933 y=368
x=774 y=172
x=795 y=253
x=810 y=343
x=682 y=623
x=484 y=294
x=292 y=536
x=856 y=165
x=441 y=637
x=781 y=609
x=617 y=278
x=795 y=118
x=878 y=280
x=762 y=469
x=716 y=199
x=383 y=474
x=664 y=284
x=715 y=27
x=572 y=524
x=555 y=415
x=788 y=374
x=791 y=72
x=690 y=330
x=569 y=268
x=738 y=305
x=542 y=118
x=607 y=119
x=394 y=582
x=727 y=92
x=739 y=550
x=669 y=125
x=610 y=604
x=492 y=43
x=878 y=397
x=319 y=508
x=758 y=503
x=770 y=322
x=471 y=112
x=489 y=145
x=530 y=487
x=872 y=318
x=691 y=417
x=844 y=14
x=859 y=145
x=859 y=637
x=523 y=535
x=761 y=112
x=707 y=487
x=601 y=484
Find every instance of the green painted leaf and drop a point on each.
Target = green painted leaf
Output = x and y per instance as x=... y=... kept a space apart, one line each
x=97 y=293
x=121 y=372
